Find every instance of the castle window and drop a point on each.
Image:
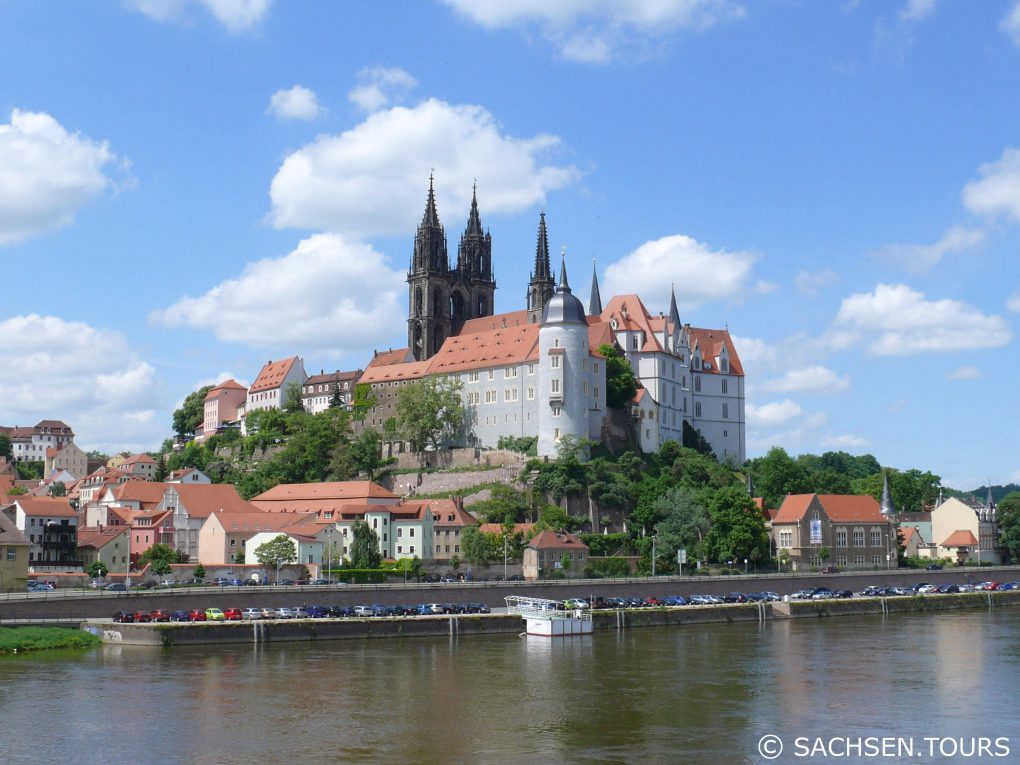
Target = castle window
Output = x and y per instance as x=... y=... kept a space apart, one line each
x=555 y=362
x=492 y=374
x=697 y=385
x=725 y=387
x=555 y=385
x=510 y=373
x=697 y=409
x=531 y=392
x=725 y=411
x=531 y=369
x=557 y=411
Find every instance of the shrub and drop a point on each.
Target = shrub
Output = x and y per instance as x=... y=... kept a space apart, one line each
x=606 y=567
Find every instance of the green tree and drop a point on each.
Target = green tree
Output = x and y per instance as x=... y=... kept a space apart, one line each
x=366 y=453
x=477 y=546
x=504 y=505
x=199 y=572
x=777 y=474
x=336 y=400
x=6 y=450
x=430 y=412
x=695 y=470
x=364 y=400
x=621 y=385
x=685 y=523
x=58 y=489
x=292 y=401
x=1009 y=524
x=191 y=413
x=158 y=557
x=97 y=569
x=911 y=490
x=738 y=528
x=692 y=439
x=278 y=551
x=365 y=547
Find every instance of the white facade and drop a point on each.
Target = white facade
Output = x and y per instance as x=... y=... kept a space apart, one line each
x=571 y=398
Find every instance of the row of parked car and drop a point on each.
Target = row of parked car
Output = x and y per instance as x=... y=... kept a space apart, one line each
x=297 y=612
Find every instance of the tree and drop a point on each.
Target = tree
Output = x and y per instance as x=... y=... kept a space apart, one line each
x=159 y=557
x=6 y=450
x=693 y=439
x=738 y=528
x=277 y=552
x=97 y=569
x=911 y=490
x=199 y=571
x=621 y=385
x=685 y=522
x=192 y=412
x=293 y=403
x=1009 y=523
x=365 y=547
x=477 y=546
x=336 y=401
x=366 y=453
x=695 y=469
x=430 y=412
x=58 y=489
x=363 y=400
x=504 y=505
x=776 y=474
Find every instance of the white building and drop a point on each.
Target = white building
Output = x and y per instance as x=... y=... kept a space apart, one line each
x=270 y=389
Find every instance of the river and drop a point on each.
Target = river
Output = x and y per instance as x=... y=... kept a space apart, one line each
x=700 y=694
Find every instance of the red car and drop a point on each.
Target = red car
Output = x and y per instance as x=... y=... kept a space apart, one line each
x=232 y=614
x=159 y=615
x=142 y=617
x=196 y=615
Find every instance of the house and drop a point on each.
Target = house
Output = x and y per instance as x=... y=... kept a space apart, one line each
x=129 y=495
x=190 y=505
x=188 y=475
x=109 y=545
x=307 y=547
x=223 y=405
x=318 y=391
x=51 y=525
x=921 y=540
x=14 y=549
x=966 y=531
x=223 y=538
x=67 y=457
x=849 y=532
x=322 y=498
x=30 y=444
x=449 y=519
x=138 y=466
x=554 y=552
x=271 y=387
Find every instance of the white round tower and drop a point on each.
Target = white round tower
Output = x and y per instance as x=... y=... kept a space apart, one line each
x=563 y=370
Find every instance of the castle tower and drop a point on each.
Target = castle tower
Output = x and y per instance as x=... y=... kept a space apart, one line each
x=540 y=289
x=564 y=374
x=594 y=297
x=473 y=291
x=429 y=284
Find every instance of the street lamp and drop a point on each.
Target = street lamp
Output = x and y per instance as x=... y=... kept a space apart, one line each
x=654 y=538
x=745 y=566
x=329 y=554
x=504 y=557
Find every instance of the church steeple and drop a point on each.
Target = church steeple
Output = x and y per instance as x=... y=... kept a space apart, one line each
x=595 y=300
x=430 y=240
x=474 y=253
x=540 y=289
x=888 y=509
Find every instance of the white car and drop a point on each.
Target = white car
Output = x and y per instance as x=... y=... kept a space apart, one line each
x=251 y=613
x=283 y=612
x=363 y=611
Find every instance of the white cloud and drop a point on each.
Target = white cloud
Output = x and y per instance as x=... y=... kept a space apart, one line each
x=810 y=282
x=964 y=373
x=594 y=31
x=46 y=174
x=812 y=379
x=697 y=273
x=51 y=368
x=896 y=320
x=1010 y=24
x=921 y=257
x=772 y=414
x=844 y=441
x=1013 y=302
x=378 y=87
x=328 y=295
x=998 y=190
x=917 y=10
x=297 y=103
x=236 y=15
x=372 y=178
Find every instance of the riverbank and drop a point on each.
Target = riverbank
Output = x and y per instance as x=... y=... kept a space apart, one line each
x=23 y=639
x=308 y=630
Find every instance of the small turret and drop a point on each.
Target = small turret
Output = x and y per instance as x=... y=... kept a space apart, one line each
x=888 y=508
x=595 y=300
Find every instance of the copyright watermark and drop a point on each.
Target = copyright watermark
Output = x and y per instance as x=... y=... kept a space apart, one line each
x=771 y=747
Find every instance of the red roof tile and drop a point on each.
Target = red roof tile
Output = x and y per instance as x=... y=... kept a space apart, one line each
x=960 y=538
x=273 y=375
x=839 y=508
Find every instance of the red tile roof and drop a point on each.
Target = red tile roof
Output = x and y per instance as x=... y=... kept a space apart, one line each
x=203 y=499
x=497 y=528
x=549 y=539
x=386 y=358
x=960 y=538
x=94 y=536
x=315 y=497
x=711 y=342
x=45 y=506
x=497 y=321
x=839 y=508
x=146 y=493
x=273 y=375
x=223 y=387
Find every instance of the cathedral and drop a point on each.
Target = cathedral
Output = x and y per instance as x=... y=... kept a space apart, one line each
x=538 y=371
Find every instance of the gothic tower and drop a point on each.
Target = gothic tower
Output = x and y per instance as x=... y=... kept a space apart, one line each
x=429 y=283
x=474 y=288
x=540 y=290
x=440 y=298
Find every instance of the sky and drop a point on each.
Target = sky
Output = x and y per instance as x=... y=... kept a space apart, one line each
x=189 y=188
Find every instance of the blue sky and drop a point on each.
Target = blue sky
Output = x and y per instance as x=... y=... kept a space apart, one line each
x=189 y=188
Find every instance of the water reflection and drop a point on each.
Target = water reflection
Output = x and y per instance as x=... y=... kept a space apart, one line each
x=690 y=694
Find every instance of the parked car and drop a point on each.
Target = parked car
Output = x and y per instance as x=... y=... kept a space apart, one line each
x=341 y=611
x=842 y=594
x=365 y=611
x=159 y=615
x=196 y=615
x=167 y=583
x=214 y=615
x=115 y=587
x=317 y=612
x=179 y=616
x=934 y=566
x=148 y=584
x=734 y=597
x=285 y=582
x=268 y=613
x=97 y=584
x=830 y=570
x=124 y=617
x=251 y=613
x=232 y=614
x=285 y=612
x=142 y=617
x=300 y=612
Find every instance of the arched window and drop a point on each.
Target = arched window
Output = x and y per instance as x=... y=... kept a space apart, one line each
x=417 y=301
x=725 y=387
x=697 y=409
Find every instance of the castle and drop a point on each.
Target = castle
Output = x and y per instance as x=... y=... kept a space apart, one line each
x=538 y=371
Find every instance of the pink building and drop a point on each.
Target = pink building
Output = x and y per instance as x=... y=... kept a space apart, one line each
x=221 y=406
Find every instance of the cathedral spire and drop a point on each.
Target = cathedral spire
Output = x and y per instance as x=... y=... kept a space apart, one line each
x=431 y=217
x=595 y=301
x=887 y=507
x=474 y=225
x=542 y=269
x=674 y=313
x=540 y=290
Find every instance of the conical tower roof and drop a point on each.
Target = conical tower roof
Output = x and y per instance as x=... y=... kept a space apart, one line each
x=542 y=268
x=474 y=224
x=595 y=300
x=888 y=508
x=563 y=307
